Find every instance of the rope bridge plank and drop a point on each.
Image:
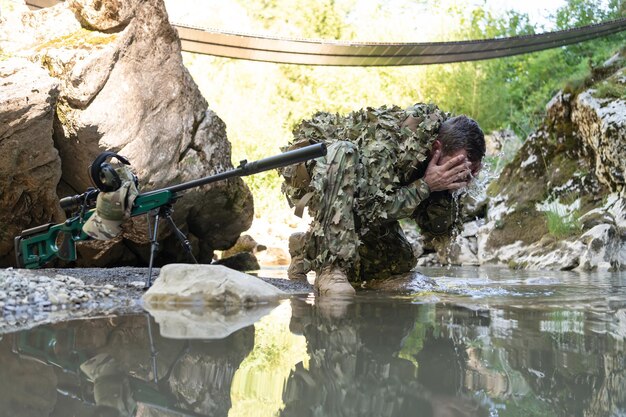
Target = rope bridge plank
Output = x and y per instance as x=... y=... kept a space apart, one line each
x=346 y=53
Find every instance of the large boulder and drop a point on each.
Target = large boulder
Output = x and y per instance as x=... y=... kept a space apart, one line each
x=122 y=87
x=30 y=167
x=561 y=202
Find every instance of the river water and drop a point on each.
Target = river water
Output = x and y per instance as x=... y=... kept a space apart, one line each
x=483 y=342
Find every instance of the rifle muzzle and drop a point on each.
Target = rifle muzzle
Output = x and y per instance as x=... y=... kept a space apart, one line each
x=287 y=158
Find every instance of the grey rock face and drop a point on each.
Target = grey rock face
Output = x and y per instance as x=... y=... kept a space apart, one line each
x=30 y=166
x=122 y=87
x=602 y=125
x=560 y=203
x=103 y=15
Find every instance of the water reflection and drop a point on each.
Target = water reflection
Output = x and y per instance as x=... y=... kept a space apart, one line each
x=373 y=356
x=355 y=368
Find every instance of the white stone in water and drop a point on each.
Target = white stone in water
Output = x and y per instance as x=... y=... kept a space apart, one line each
x=208 y=285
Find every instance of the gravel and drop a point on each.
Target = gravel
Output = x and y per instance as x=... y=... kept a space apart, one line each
x=29 y=298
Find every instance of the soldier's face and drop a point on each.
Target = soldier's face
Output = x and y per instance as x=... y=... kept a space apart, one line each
x=474 y=167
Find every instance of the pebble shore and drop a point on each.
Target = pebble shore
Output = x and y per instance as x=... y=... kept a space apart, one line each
x=30 y=298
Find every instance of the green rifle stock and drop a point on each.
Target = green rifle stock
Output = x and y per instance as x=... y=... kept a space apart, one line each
x=37 y=246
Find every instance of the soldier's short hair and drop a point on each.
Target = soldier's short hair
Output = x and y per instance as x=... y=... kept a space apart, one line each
x=461 y=132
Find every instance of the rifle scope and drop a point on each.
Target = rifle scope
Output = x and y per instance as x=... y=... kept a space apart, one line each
x=73 y=201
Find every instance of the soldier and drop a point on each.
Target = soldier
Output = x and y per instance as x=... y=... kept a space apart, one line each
x=382 y=165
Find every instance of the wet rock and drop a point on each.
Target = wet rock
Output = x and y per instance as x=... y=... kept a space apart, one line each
x=245 y=243
x=601 y=123
x=429 y=259
x=207 y=285
x=605 y=249
x=274 y=256
x=243 y=261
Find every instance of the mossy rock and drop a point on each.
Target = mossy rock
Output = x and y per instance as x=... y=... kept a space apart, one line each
x=525 y=224
x=80 y=39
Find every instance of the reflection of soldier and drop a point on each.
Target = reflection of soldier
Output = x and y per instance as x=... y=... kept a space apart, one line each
x=382 y=165
x=354 y=368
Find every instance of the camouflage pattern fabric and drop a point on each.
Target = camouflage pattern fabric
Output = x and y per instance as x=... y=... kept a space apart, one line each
x=368 y=180
x=112 y=208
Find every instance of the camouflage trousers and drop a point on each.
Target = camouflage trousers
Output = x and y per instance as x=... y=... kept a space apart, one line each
x=339 y=235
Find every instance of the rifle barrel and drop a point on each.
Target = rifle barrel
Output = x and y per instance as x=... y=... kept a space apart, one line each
x=248 y=168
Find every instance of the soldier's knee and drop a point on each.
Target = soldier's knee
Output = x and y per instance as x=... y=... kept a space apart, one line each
x=296 y=243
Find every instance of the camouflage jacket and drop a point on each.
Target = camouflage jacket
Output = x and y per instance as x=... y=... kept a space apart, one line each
x=392 y=159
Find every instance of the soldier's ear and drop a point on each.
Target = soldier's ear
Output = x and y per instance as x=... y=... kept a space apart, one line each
x=436 y=145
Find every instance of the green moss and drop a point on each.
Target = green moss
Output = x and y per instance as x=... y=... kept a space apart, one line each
x=525 y=224
x=80 y=39
x=578 y=84
x=610 y=89
x=64 y=114
x=567 y=167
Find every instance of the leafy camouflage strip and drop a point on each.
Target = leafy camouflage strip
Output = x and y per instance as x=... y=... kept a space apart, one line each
x=334 y=238
x=366 y=181
x=440 y=220
x=385 y=251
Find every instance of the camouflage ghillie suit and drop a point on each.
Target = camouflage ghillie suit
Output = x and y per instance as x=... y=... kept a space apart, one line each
x=369 y=179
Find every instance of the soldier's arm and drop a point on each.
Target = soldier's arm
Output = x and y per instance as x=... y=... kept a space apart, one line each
x=405 y=200
x=437 y=216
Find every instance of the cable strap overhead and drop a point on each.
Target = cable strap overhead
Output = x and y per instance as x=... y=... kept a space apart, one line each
x=345 y=53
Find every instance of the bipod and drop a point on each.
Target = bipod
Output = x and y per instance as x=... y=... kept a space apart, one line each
x=153 y=231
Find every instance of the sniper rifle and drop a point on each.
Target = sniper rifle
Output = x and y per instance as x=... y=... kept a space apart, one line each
x=39 y=245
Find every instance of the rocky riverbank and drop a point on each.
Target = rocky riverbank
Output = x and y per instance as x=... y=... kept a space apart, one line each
x=29 y=298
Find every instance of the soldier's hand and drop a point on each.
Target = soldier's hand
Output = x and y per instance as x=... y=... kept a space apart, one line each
x=452 y=174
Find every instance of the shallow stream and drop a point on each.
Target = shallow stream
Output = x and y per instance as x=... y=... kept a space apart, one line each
x=484 y=342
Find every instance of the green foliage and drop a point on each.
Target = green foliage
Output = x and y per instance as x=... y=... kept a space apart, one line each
x=262 y=102
x=562 y=225
x=608 y=89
